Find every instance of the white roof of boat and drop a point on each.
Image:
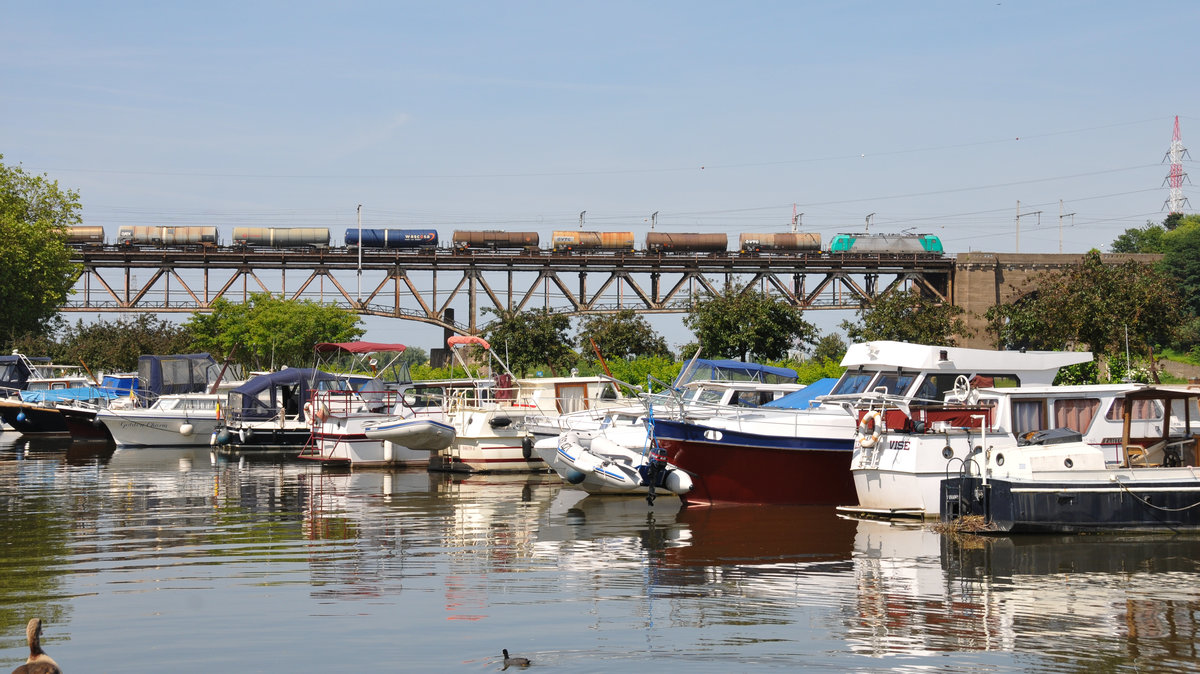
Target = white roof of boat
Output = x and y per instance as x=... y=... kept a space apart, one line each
x=879 y=355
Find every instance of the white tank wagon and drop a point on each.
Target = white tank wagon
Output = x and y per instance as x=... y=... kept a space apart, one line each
x=281 y=237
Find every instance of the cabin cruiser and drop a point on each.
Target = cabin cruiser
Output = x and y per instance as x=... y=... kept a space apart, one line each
x=176 y=403
x=273 y=411
x=802 y=456
x=1057 y=482
x=904 y=448
x=32 y=390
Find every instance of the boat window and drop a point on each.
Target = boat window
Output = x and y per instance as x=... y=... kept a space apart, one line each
x=1077 y=414
x=750 y=398
x=983 y=380
x=895 y=383
x=1028 y=415
x=1143 y=410
x=168 y=403
x=853 y=382
x=710 y=396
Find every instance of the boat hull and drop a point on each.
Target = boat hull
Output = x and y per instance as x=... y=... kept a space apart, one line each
x=736 y=467
x=33 y=420
x=1108 y=503
x=138 y=428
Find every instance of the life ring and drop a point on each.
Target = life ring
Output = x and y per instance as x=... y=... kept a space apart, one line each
x=869 y=429
x=308 y=411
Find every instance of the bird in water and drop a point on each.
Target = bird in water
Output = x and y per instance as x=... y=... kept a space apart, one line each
x=514 y=662
x=38 y=662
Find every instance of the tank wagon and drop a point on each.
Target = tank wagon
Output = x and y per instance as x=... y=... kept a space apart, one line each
x=495 y=239
x=157 y=235
x=886 y=243
x=85 y=235
x=791 y=242
x=393 y=238
x=281 y=237
x=568 y=240
x=666 y=242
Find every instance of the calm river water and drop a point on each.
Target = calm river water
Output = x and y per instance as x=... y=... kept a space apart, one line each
x=169 y=560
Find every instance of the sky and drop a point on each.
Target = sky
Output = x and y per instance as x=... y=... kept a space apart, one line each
x=929 y=117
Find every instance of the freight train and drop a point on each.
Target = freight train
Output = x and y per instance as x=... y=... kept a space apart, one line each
x=501 y=241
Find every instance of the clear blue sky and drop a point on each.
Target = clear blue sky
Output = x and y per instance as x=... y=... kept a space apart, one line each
x=935 y=116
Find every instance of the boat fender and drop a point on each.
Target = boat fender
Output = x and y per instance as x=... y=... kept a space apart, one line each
x=96 y=422
x=21 y=416
x=499 y=422
x=223 y=437
x=186 y=430
x=574 y=476
x=527 y=448
x=212 y=439
x=870 y=428
x=242 y=435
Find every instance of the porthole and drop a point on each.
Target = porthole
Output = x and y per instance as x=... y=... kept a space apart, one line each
x=1068 y=462
x=999 y=459
x=947 y=452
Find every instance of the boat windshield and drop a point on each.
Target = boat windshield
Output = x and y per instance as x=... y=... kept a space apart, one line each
x=853 y=382
x=894 y=383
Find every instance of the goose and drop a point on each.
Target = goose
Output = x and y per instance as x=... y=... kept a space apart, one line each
x=513 y=662
x=38 y=662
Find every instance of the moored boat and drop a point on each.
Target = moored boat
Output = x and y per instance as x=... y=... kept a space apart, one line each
x=1065 y=485
x=773 y=454
x=603 y=466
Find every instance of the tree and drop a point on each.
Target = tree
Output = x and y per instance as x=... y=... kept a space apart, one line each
x=268 y=332
x=908 y=316
x=115 y=345
x=532 y=338
x=36 y=272
x=1146 y=239
x=1181 y=258
x=624 y=334
x=747 y=325
x=1092 y=305
x=830 y=347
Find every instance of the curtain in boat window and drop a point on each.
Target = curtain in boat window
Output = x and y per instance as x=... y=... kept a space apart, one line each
x=571 y=397
x=1143 y=410
x=1027 y=416
x=1076 y=415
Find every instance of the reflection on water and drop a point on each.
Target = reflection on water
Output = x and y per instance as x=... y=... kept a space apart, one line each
x=287 y=566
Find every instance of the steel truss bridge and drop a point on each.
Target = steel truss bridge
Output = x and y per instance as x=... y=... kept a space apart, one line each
x=429 y=286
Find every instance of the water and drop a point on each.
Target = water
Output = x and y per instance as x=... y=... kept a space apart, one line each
x=153 y=560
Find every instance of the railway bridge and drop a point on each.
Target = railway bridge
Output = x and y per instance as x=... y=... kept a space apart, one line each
x=437 y=286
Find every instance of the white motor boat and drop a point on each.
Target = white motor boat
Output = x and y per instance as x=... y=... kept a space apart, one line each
x=607 y=467
x=178 y=420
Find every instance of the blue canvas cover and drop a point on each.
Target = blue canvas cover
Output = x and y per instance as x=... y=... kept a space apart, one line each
x=262 y=396
x=89 y=393
x=802 y=399
x=735 y=370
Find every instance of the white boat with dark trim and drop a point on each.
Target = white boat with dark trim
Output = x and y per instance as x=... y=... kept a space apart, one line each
x=1059 y=483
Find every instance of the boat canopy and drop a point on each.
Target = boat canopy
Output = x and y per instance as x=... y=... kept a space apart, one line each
x=804 y=398
x=14 y=370
x=358 y=347
x=262 y=396
x=182 y=373
x=467 y=340
x=736 y=370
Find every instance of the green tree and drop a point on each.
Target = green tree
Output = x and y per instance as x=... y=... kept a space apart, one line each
x=115 y=345
x=748 y=325
x=1092 y=305
x=624 y=334
x=1146 y=239
x=529 y=339
x=36 y=272
x=908 y=316
x=269 y=332
x=1181 y=258
x=829 y=347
